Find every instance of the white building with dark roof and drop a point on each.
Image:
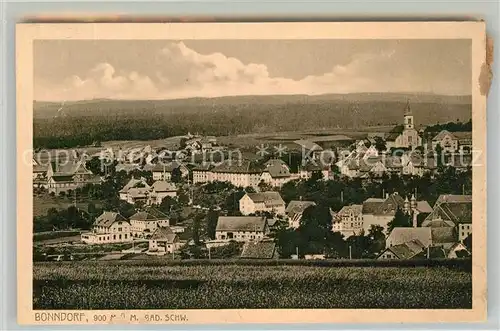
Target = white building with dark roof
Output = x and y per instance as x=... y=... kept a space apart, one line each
x=241 y=228
x=109 y=227
x=348 y=221
x=453 y=211
x=269 y=201
x=276 y=173
x=163 y=241
x=144 y=223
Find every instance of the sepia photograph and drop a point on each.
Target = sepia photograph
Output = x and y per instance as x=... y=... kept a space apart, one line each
x=200 y=169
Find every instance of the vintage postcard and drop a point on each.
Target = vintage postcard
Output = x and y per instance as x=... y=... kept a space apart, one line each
x=251 y=172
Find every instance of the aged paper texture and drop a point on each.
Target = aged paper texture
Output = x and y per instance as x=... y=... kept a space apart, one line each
x=195 y=173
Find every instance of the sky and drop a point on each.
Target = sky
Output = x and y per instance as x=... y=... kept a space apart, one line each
x=69 y=70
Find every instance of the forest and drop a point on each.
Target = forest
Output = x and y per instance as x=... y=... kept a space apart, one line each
x=84 y=123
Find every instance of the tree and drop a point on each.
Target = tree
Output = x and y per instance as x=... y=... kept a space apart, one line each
x=168 y=204
x=182 y=143
x=176 y=175
x=95 y=165
x=315 y=225
x=212 y=219
x=380 y=144
x=377 y=238
x=400 y=220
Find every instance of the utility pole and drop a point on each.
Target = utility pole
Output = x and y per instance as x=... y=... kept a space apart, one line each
x=350 y=253
x=342 y=196
x=463 y=189
x=297 y=251
x=428 y=253
x=74 y=198
x=209 y=256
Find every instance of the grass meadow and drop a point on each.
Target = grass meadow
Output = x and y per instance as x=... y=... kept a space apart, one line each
x=131 y=285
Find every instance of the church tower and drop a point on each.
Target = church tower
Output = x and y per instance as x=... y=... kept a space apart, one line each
x=409 y=124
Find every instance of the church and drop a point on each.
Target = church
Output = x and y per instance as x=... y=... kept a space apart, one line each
x=404 y=136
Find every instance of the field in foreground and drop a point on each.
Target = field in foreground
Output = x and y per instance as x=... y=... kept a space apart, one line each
x=217 y=286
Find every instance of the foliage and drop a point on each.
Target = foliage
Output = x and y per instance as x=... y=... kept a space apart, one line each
x=400 y=220
x=254 y=284
x=468 y=242
x=211 y=222
x=450 y=126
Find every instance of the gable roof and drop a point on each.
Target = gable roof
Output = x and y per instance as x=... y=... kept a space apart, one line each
x=443 y=133
x=308 y=145
x=395 y=133
x=277 y=168
x=143 y=216
x=107 y=218
x=407 y=250
x=371 y=205
x=132 y=183
x=241 y=223
x=164 y=234
x=346 y=210
x=265 y=249
x=138 y=192
x=298 y=206
x=269 y=198
x=167 y=167
x=451 y=208
x=163 y=186
x=443 y=235
x=401 y=235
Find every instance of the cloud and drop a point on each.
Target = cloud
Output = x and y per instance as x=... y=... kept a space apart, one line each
x=178 y=71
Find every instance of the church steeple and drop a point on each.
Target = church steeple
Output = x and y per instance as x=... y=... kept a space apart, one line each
x=408 y=116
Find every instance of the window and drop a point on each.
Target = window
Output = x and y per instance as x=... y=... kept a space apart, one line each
x=119 y=229
x=114 y=237
x=125 y=236
x=120 y=236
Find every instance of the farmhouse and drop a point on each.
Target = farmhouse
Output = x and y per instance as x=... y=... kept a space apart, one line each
x=294 y=211
x=164 y=171
x=241 y=228
x=403 y=251
x=453 y=142
x=270 y=201
x=144 y=223
x=443 y=237
x=160 y=190
x=133 y=183
x=453 y=211
x=164 y=241
x=109 y=227
x=62 y=177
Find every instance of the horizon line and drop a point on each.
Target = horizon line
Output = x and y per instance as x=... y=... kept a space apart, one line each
x=257 y=95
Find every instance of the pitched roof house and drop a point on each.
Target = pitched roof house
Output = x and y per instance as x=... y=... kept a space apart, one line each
x=294 y=211
x=163 y=241
x=241 y=228
x=269 y=201
x=444 y=237
x=403 y=251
